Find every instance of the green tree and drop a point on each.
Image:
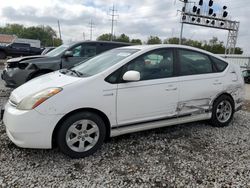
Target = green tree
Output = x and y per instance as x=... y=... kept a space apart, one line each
x=136 y=41
x=105 y=37
x=213 y=45
x=122 y=38
x=43 y=33
x=154 y=40
x=238 y=50
x=173 y=40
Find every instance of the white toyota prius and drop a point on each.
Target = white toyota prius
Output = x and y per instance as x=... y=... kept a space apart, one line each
x=121 y=91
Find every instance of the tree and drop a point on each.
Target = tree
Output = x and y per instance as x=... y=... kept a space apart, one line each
x=123 y=38
x=136 y=41
x=154 y=40
x=45 y=34
x=173 y=40
x=238 y=50
x=213 y=45
x=105 y=37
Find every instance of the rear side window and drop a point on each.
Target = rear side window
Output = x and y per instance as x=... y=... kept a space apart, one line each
x=220 y=65
x=192 y=62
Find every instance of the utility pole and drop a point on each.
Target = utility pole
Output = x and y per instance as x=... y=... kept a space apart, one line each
x=182 y=24
x=113 y=16
x=59 y=29
x=91 y=25
x=83 y=35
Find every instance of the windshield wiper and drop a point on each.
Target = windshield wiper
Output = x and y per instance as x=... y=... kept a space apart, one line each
x=77 y=73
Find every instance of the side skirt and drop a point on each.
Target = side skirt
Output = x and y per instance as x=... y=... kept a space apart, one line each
x=157 y=124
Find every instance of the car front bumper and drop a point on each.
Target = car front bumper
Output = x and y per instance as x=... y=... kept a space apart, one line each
x=15 y=77
x=29 y=129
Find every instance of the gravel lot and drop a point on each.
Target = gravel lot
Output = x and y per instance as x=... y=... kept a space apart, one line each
x=191 y=155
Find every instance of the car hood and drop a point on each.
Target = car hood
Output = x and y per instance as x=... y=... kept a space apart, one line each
x=54 y=79
x=19 y=59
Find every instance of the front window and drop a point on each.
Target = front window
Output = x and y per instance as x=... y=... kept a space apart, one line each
x=57 y=51
x=153 y=65
x=84 y=50
x=103 y=61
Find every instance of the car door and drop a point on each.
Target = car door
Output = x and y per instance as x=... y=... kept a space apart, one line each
x=155 y=96
x=80 y=53
x=199 y=83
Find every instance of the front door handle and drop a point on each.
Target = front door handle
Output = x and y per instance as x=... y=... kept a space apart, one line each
x=108 y=94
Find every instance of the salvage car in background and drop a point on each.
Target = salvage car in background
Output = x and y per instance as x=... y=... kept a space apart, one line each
x=22 y=69
x=122 y=91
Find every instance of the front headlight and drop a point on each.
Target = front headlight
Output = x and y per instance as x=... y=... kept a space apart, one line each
x=34 y=100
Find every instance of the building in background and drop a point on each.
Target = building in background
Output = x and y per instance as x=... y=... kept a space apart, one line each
x=7 y=39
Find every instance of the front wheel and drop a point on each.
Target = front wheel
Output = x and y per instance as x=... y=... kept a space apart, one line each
x=222 y=112
x=81 y=134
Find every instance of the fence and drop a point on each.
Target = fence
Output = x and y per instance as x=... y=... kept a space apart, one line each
x=242 y=60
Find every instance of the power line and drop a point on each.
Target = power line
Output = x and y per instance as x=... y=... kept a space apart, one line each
x=112 y=12
x=91 y=26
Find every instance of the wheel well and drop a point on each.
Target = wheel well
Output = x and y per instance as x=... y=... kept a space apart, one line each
x=42 y=71
x=98 y=112
x=225 y=94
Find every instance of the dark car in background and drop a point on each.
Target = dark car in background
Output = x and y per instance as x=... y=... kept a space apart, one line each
x=246 y=75
x=18 y=49
x=20 y=70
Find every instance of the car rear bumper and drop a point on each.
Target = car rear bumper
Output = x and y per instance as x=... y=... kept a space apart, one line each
x=29 y=129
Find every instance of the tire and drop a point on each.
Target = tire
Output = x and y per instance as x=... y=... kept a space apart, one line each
x=2 y=55
x=77 y=141
x=222 y=112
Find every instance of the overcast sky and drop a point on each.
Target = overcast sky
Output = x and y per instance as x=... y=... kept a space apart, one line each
x=138 y=19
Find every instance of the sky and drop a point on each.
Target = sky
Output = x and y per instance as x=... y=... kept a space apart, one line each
x=137 y=19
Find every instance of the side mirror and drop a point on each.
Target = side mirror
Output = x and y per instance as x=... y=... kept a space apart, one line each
x=68 y=54
x=131 y=76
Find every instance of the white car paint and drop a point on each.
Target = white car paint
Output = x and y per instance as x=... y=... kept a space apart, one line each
x=123 y=103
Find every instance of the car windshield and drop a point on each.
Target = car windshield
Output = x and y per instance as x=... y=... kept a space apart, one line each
x=103 y=61
x=57 y=50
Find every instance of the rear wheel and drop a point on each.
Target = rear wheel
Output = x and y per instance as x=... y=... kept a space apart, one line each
x=223 y=110
x=81 y=134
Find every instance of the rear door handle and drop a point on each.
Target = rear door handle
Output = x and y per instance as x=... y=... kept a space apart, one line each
x=171 y=89
x=217 y=83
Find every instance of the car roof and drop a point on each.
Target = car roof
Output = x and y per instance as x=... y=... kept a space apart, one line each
x=156 y=46
x=103 y=42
